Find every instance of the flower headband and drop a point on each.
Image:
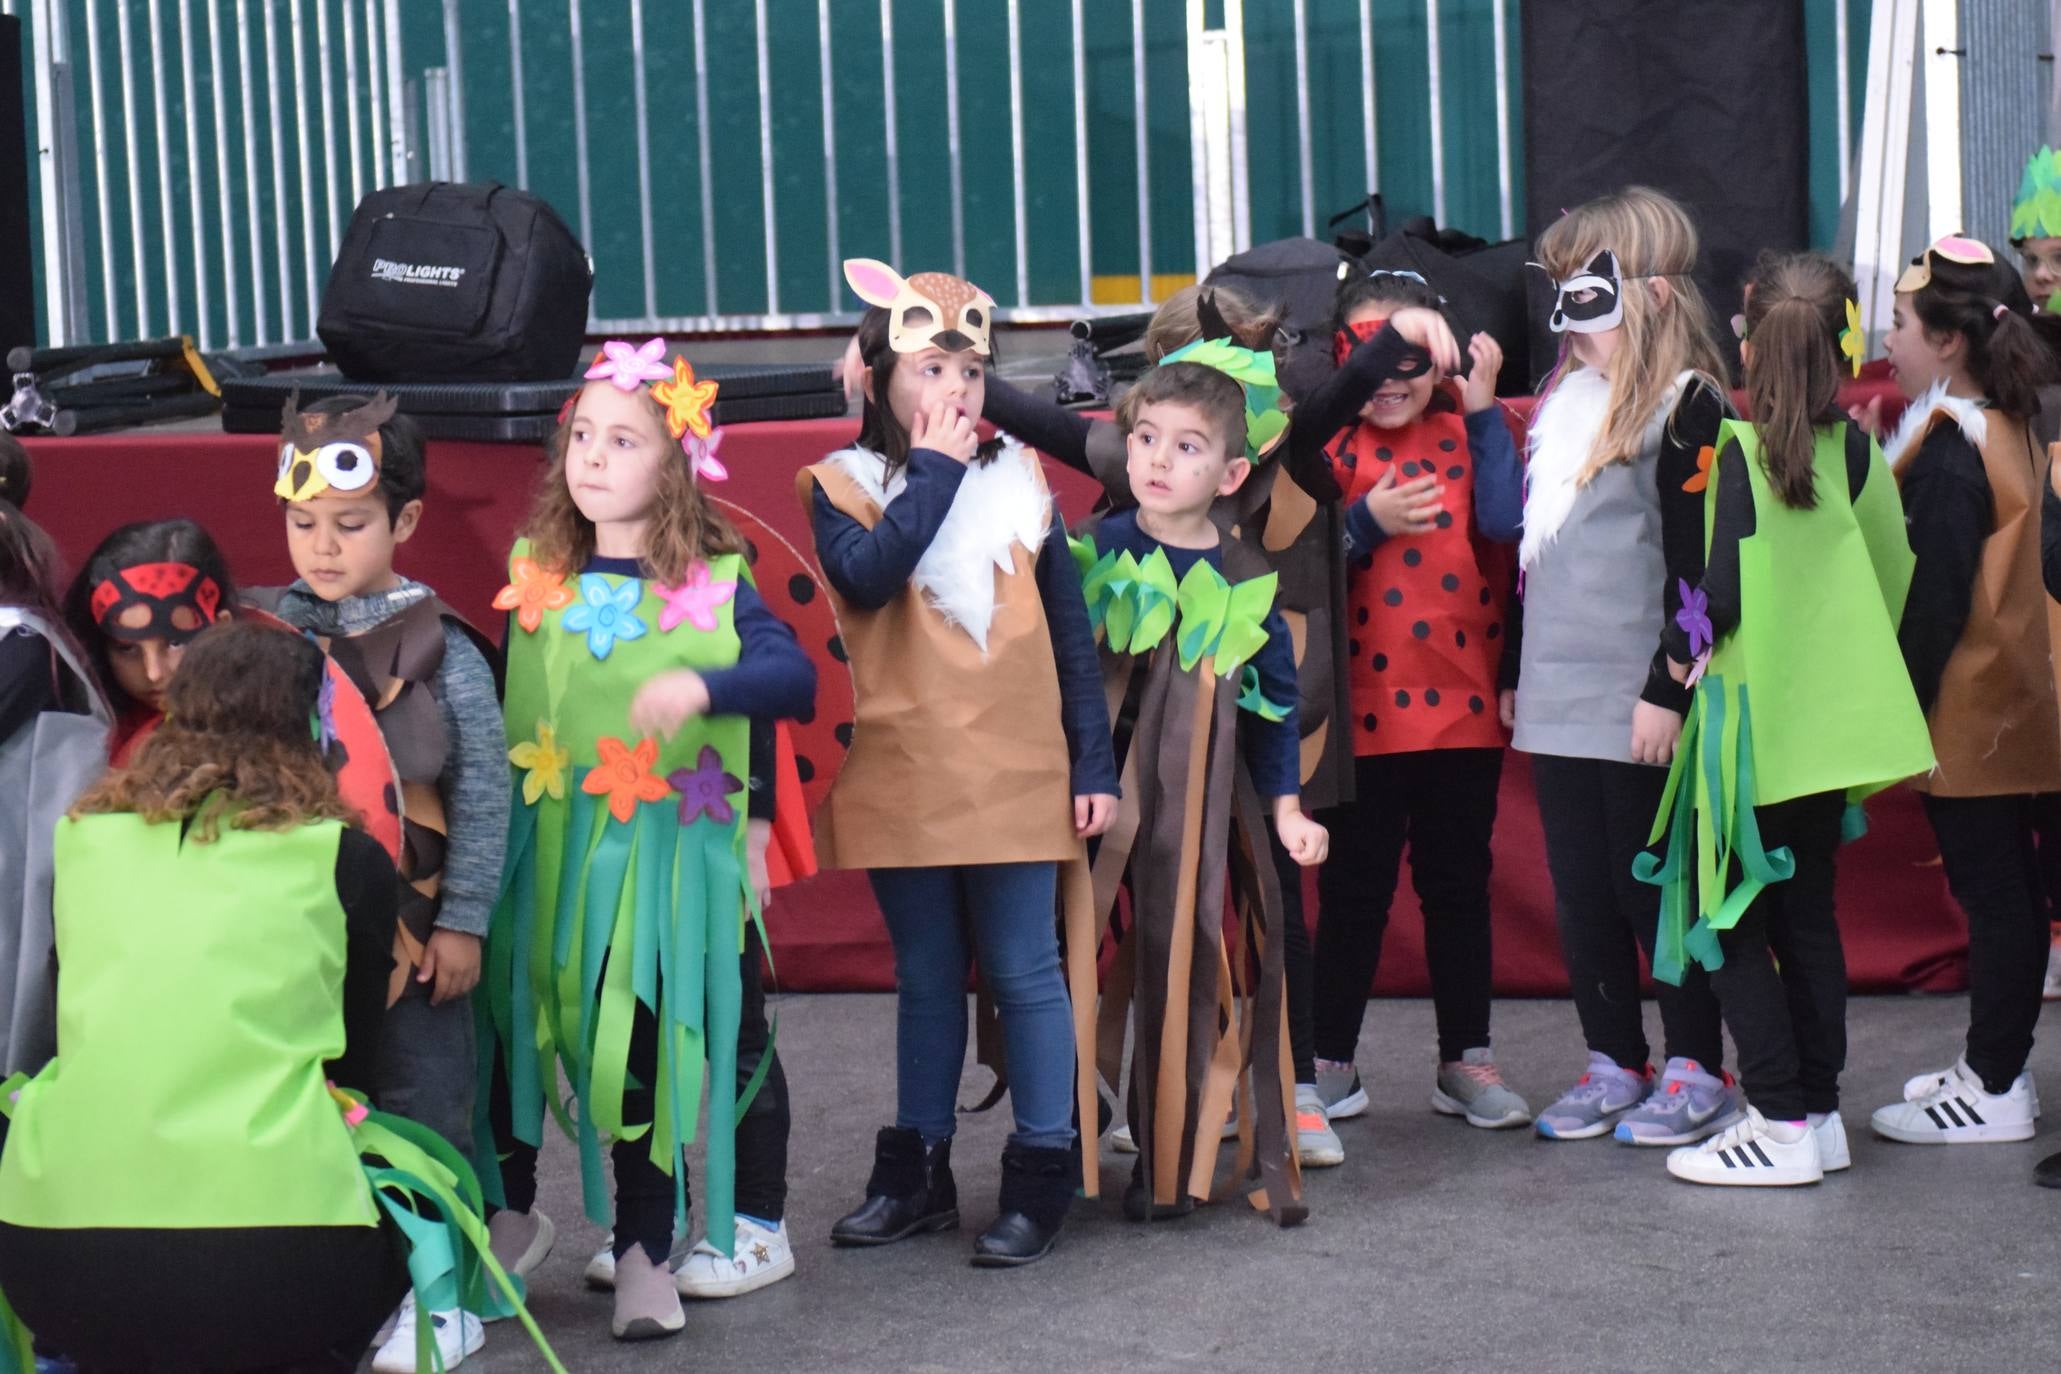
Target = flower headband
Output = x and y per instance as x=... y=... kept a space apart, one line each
x=689 y=405
x=1252 y=369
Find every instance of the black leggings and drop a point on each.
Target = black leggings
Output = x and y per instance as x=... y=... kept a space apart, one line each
x=1597 y=815
x=1783 y=982
x=1295 y=959
x=1442 y=803
x=1986 y=847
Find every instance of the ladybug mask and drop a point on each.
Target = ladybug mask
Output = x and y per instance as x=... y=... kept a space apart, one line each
x=322 y=453
x=1344 y=341
x=168 y=601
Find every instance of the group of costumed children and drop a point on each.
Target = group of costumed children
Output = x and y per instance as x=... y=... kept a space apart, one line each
x=480 y=865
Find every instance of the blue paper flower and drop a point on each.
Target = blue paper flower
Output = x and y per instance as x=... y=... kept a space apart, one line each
x=605 y=613
x=1694 y=617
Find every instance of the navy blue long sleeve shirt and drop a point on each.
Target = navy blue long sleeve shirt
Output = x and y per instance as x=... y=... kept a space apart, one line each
x=870 y=568
x=1273 y=749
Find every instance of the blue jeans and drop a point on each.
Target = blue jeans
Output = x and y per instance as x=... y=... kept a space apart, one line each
x=1009 y=909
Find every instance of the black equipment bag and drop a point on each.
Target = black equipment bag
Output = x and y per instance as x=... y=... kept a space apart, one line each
x=1299 y=277
x=443 y=282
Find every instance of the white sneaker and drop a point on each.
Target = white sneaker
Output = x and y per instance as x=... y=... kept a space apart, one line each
x=1921 y=1084
x=600 y=1272
x=759 y=1257
x=1749 y=1155
x=1831 y=1133
x=458 y=1334
x=2051 y=989
x=1124 y=1143
x=1952 y=1109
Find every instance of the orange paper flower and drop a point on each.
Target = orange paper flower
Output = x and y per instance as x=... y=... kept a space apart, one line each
x=624 y=776
x=532 y=593
x=1704 y=457
x=686 y=401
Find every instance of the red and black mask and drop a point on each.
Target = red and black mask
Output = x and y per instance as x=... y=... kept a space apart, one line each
x=168 y=601
x=1344 y=341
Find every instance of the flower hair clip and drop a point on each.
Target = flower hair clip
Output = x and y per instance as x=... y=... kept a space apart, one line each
x=688 y=403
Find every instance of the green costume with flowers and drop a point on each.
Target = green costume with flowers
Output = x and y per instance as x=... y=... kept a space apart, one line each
x=1808 y=695
x=626 y=889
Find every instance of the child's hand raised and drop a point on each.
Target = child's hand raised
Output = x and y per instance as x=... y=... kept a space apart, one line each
x=1307 y=842
x=1409 y=508
x=1479 y=391
x=947 y=430
x=666 y=702
x=1868 y=417
x=1428 y=329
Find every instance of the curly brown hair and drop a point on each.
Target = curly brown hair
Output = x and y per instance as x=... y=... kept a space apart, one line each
x=685 y=528
x=237 y=740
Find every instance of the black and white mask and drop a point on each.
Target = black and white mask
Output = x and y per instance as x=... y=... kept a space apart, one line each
x=1591 y=300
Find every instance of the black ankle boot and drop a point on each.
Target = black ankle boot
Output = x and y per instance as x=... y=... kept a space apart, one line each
x=1139 y=1206
x=911 y=1191
x=1037 y=1188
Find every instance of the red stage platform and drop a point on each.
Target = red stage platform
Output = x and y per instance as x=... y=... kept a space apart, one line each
x=1902 y=930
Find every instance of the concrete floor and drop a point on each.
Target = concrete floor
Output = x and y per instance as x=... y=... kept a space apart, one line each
x=1435 y=1247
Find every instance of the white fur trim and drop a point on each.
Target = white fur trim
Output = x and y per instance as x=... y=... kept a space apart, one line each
x=1563 y=434
x=1917 y=423
x=997 y=507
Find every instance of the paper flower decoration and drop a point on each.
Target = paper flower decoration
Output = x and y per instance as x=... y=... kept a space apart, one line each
x=532 y=593
x=353 y=1110
x=1696 y=669
x=325 y=713
x=686 y=401
x=1694 y=617
x=701 y=457
x=705 y=789
x=545 y=765
x=630 y=367
x=624 y=776
x=1851 y=344
x=606 y=614
x=1704 y=457
x=695 y=600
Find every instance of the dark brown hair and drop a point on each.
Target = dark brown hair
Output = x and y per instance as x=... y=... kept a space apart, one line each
x=28 y=559
x=403 y=457
x=879 y=428
x=1220 y=400
x=1391 y=289
x=1795 y=311
x=238 y=740
x=2005 y=356
x=685 y=528
x=148 y=541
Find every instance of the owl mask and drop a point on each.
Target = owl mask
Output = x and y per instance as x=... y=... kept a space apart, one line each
x=324 y=453
x=928 y=310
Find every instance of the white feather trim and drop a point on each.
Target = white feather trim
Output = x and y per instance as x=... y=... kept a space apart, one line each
x=1917 y=423
x=998 y=506
x=1563 y=434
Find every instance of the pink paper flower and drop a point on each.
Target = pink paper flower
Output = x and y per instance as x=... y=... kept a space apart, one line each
x=694 y=600
x=701 y=457
x=628 y=367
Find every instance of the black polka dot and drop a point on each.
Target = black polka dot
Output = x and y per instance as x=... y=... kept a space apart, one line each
x=1445 y=520
x=1451 y=582
x=1456 y=472
x=1380 y=663
x=1476 y=705
x=1349 y=460
x=802 y=588
x=1360 y=615
x=1392 y=597
x=837 y=649
x=1409 y=469
x=1402 y=698
x=1446 y=446
x=1367 y=721
x=1412 y=557
x=1486 y=596
x=1431 y=696
x=1421 y=630
x=1459 y=639
x=1494 y=630
x=1383 y=454
x=1352 y=647
x=805 y=767
x=844 y=734
x=751 y=552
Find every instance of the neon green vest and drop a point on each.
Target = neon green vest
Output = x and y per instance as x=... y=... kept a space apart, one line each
x=626 y=879
x=199 y=993
x=1807 y=695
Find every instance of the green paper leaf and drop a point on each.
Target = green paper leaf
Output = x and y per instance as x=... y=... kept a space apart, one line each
x=1123 y=605
x=1205 y=598
x=1083 y=550
x=1252 y=699
x=1155 y=598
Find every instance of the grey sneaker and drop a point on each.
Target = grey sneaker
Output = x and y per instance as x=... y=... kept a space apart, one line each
x=1686 y=1105
x=1339 y=1086
x=1595 y=1102
x=1316 y=1144
x=1473 y=1088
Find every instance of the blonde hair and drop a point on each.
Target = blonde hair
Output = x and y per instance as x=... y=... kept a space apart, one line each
x=684 y=529
x=1653 y=237
x=1177 y=322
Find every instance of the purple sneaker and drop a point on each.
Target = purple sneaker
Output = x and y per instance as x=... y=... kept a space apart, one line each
x=1686 y=1105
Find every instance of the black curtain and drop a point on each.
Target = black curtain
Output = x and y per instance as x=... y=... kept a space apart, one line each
x=17 y=281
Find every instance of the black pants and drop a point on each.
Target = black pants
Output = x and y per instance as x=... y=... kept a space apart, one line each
x=2046 y=829
x=1986 y=847
x=1295 y=959
x=644 y=1191
x=1442 y=803
x=1783 y=983
x=1597 y=814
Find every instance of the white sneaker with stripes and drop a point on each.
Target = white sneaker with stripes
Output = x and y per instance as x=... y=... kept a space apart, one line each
x=1749 y=1155
x=1953 y=1109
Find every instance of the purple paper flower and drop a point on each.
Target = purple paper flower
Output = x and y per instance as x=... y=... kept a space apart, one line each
x=1694 y=617
x=701 y=456
x=705 y=789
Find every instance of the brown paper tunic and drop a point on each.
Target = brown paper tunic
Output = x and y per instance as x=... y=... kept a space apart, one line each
x=1996 y=730
x=956 y=757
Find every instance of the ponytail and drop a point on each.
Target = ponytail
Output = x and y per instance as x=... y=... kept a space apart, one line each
x=2015 y=366
x=1795 y=308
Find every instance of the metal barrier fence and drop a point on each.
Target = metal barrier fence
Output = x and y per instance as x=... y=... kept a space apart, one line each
x=196 y=160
